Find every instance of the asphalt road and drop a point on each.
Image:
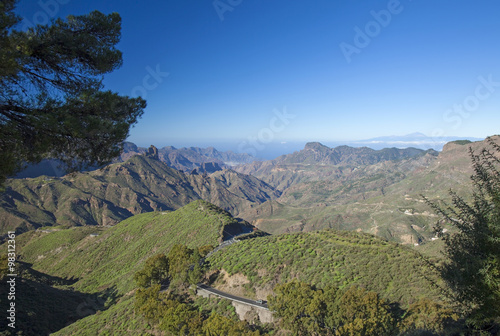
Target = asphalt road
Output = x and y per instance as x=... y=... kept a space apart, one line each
x=232 y=297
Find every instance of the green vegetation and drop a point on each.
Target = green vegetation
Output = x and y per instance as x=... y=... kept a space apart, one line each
x=321 y=283
x=325 y=282
x=358 y=191
x=46 y=303
x=64 y=114
x=472 y=266
x=93 y=268
x=307 y=310
x=164 y=310
x=219 y=306
x=178 y=315
x=133 y=278
x=107 y=196
x=363 y=313
x=119 y=319
x=174 y=310
x=181 y=267
x=301 y=308
x=427 y=315
x=330 y=258
x=111 y=258
x=154 y=272
x=184 y=265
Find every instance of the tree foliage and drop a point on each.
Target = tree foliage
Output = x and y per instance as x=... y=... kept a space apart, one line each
x=154 y=272
x=147 y=302
x=364 y=313
x=306 y=310
x=172 y=310
x=331 y=258
x=52 y=102
x=472 y=267
x=179 y=268
x=217 y=325
x=355 y=311
x=167 y=312
x=429 y=316
x=300 y=307
x=180 y=318
x=184 y=265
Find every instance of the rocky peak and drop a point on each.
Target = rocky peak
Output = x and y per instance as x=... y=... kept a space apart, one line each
x=316 y=146
x=207 y=167
x=153 y=152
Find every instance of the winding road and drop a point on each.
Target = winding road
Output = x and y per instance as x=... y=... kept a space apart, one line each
x=232 y=297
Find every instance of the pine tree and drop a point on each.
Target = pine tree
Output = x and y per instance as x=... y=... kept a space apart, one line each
x=300 y=307
x=52 y=102
x=154 y=272
x=472 y=267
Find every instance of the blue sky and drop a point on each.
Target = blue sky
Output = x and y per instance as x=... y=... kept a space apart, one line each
x=255 y=73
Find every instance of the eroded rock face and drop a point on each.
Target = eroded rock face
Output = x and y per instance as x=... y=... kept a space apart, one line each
x=153 y=152
x=207 y=167
x=250 y=314
x=118 y=191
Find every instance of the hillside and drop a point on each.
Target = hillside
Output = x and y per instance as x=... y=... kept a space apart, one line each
x=251 y=268
x=44 y=303
x=317 y=161
x=185 y=159
x=121 y=190
x=119 y=319
x=94 y=267
x=381 y=198
x=173 y=157
x=321 y=258
x=107 y=257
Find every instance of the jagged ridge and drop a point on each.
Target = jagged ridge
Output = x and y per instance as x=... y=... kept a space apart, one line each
x=118 y=191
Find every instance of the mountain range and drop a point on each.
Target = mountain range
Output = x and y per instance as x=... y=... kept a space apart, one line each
x=189 y=158
x=185 y=159
x=375 y=191
x=378 y=192
x=111 y=194
x=81 y=237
